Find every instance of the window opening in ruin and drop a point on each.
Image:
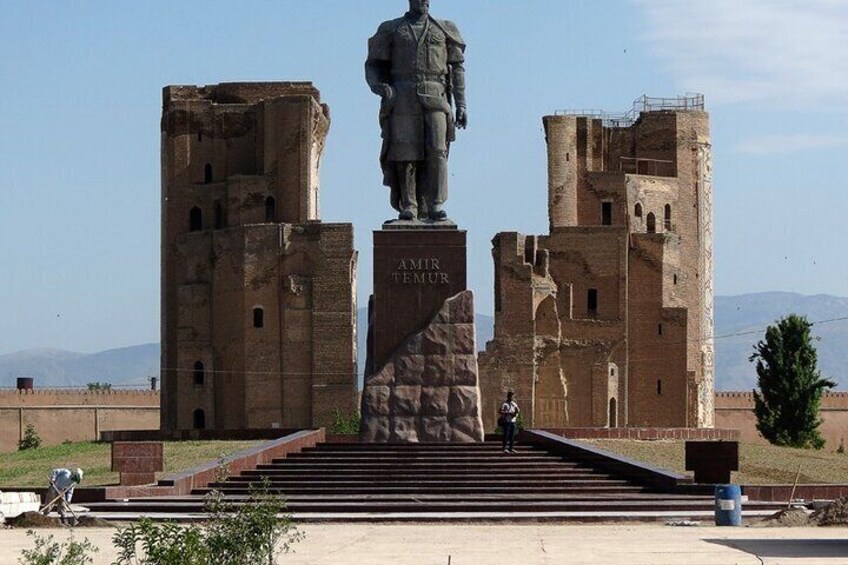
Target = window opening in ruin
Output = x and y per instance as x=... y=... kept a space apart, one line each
x=199 y=418
x=652 y=223
x=675 y=279
x=613 y=416
x=199 y=375
x=207 y=173
x=659 y=329
x=592 y=302
x=258 y=318
x=567 y=157
x=270 y=209
x=200 y=136
x=667 y=221
x=219 y=216
x=659 y=387
x=195 y=219
x=606 y=213
x=638 y=211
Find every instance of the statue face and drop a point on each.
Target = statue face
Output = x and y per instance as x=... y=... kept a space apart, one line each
x=419 y=6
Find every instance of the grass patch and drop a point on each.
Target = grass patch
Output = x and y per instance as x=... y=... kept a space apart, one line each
x=758 y=464
x=31 y=468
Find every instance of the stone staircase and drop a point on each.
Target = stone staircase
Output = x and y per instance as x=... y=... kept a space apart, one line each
x=437 y=482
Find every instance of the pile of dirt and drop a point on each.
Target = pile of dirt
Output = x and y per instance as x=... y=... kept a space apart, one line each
x=93 y=522
x=33 y=520
x=834 y=514
x=787 y=518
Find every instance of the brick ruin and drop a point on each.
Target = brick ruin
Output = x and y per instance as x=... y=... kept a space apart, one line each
x=258 y=295
x=607 y=321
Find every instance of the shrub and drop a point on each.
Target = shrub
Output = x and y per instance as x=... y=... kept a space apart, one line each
x=99 y=387
x=31 y=439
x=47 y=551
x=247 y=534
x=345 y=424
x=162 y=544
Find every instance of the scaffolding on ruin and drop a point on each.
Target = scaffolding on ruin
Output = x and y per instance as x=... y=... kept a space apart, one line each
x=645 y=103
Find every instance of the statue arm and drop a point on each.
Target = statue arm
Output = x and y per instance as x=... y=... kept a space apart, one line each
x=458 y=91
x=378 y=64
x=377 y=77
x=456 y=62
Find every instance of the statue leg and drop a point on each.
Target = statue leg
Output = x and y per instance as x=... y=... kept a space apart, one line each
x=436 y=150
x=407 y=186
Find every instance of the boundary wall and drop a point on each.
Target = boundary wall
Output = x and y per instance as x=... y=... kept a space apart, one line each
x=74 y=415
x=735 y=410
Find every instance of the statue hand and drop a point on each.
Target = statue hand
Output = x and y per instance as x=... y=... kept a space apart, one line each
x=461 y=118
x=387 y=93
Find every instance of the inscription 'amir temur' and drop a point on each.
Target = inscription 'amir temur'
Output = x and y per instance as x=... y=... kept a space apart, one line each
x=419 y=271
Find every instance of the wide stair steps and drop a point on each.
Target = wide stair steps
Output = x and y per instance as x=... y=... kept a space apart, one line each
x=433 y=482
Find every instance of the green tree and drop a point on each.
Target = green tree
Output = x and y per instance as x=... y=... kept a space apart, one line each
x=791 y=387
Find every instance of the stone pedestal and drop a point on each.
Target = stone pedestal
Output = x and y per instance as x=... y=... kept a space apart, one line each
x=421 y=381
x=415 y=272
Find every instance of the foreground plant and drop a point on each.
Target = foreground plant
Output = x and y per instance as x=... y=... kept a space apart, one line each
x=250 y=533
x=48 y=551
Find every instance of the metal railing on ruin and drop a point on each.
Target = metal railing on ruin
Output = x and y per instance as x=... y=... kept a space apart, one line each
x=645 y=103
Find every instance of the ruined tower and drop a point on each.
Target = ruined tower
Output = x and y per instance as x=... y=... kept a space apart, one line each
x=608 y=319
x=258 y=295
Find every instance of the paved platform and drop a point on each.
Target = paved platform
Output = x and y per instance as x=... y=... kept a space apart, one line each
x=457 y=517
x=421 y=544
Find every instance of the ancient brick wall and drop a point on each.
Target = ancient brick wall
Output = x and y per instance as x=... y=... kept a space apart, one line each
x=629 y=262
x=257 y=294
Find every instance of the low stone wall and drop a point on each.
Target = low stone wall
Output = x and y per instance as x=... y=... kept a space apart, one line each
x=196 y=435
x=781 y=493
x=183 y=483
x=736 y=410
x=74 y=415
x=701 y=434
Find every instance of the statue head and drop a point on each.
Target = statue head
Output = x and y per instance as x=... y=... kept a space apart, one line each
x=419 y=7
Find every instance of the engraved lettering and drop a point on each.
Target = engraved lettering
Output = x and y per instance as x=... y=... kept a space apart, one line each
x=420 y=270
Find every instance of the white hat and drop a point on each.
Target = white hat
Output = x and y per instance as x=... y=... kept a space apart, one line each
x=78 y=474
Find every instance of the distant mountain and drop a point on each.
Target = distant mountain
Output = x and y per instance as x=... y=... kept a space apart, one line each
x=57 y=368
x=740 y=323
x=749 y=314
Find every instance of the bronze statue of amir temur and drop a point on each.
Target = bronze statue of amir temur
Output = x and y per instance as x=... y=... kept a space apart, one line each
x=415 y=64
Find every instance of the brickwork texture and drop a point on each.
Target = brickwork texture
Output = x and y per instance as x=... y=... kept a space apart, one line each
x=606 y=321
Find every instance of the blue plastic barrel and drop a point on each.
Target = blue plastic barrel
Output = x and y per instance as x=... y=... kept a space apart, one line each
x=728 y=505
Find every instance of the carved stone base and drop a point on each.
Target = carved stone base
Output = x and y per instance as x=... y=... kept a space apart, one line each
x=428 y=391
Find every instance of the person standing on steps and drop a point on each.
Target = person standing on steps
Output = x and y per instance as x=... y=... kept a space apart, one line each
x=508 y=416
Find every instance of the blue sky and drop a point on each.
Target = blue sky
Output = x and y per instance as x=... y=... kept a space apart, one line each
x=81 y=98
